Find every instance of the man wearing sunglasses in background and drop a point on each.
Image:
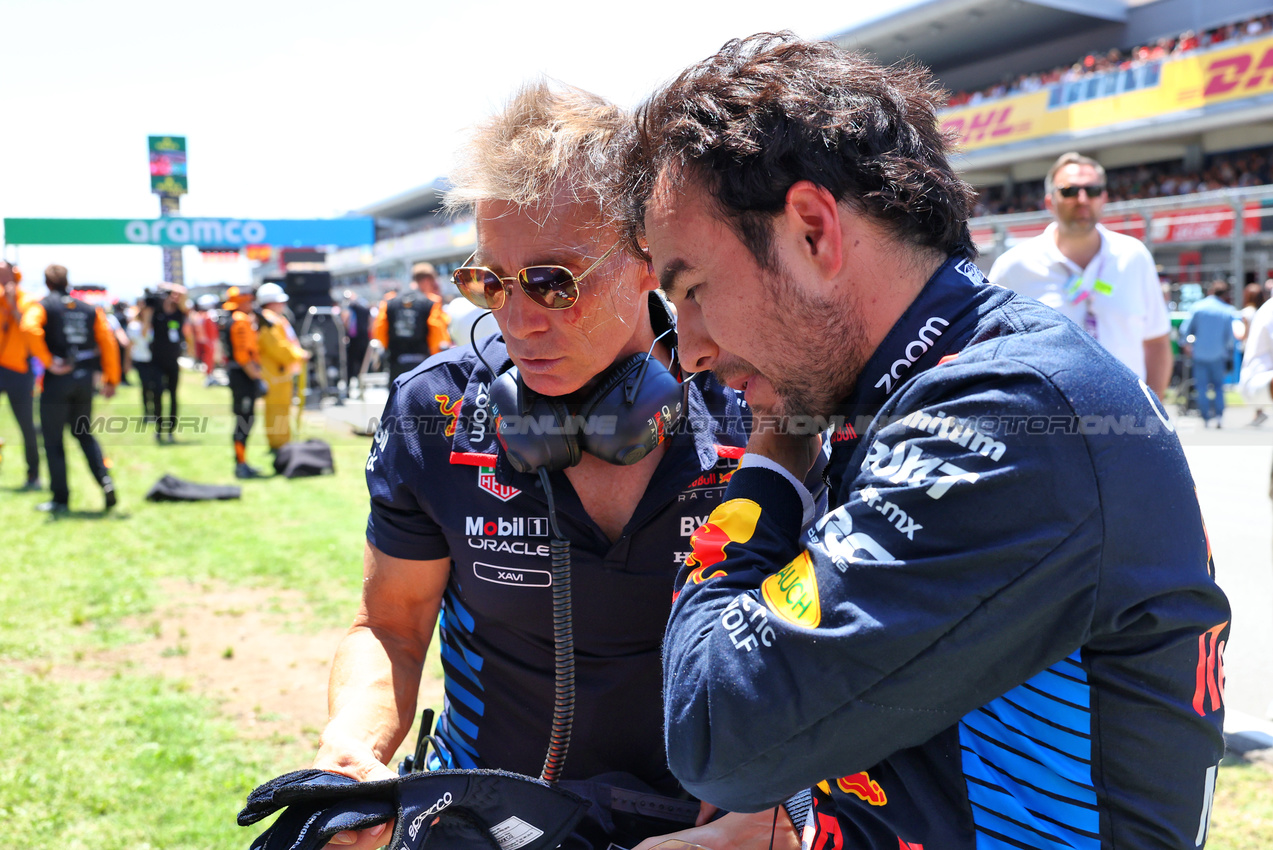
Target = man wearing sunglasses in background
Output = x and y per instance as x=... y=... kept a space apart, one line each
x=1104 y=282
x=456 y=537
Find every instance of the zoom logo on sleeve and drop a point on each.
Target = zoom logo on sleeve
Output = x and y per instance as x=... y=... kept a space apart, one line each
x=914 y=350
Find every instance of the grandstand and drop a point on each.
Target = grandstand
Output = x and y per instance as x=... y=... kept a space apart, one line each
x=410 y=226
x=1173 y=97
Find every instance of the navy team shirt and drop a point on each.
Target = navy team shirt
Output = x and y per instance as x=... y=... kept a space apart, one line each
x=440 y=490
x=1005 y=634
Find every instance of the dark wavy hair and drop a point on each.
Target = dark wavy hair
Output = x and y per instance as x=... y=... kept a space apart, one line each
x=770 y=110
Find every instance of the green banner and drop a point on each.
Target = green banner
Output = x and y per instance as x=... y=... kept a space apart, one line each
x=168 y=165
x=63 y=231
x=201 y=232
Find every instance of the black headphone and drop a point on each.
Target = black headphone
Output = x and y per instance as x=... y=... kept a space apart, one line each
x=634 y=407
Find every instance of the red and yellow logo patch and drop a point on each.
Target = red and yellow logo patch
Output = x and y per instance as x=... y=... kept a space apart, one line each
x=792 y=593
x=450 y=409
x=860 y=785
x=733 y=522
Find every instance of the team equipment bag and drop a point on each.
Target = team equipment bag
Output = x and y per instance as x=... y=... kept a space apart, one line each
x=170 y=488
x=438 y=810
x=310 y=457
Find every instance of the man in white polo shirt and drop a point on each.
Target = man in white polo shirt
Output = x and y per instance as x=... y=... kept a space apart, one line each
x=1103 y=281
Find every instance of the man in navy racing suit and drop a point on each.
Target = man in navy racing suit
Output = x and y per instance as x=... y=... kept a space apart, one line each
x=457 y=537
x=1006 y=632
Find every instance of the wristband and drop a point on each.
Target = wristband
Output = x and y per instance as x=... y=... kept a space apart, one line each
x=798 y=806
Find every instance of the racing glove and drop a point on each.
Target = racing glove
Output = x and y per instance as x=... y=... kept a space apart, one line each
x=439 y=810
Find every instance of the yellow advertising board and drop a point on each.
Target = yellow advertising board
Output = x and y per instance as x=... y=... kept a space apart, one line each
x=1188 y=82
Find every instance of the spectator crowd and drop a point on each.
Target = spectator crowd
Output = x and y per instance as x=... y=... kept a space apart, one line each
x=1235 y=169
x=1168 y=47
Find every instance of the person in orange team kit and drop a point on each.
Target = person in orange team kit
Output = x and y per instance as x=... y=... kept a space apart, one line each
x=74 y=341
x=413 y=325
x=16 y=379
x=243 y=365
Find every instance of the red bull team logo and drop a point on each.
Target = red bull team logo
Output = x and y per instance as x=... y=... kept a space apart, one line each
x=733 y=522
x=792 y=593
x=862 y=786
x=451 y=410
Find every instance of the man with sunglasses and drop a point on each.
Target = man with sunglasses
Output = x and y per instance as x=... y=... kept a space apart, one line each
x=457 y=537
x=1006 y=632
x=1105 y=282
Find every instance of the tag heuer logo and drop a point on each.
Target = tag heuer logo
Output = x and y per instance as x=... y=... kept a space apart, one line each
x=486 y=481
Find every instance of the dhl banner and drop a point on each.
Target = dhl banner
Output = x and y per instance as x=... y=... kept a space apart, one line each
x=1189 y=82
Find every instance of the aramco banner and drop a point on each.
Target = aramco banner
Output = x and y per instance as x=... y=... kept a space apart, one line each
x=201 y=232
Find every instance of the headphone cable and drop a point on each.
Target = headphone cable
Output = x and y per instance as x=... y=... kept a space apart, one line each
x=563 y=641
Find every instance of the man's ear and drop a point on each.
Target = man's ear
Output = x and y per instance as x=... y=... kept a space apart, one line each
x=649 y=280
x=812 y=220
x=1048 y=203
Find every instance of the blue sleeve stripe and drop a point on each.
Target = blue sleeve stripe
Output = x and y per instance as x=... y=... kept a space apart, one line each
x=991 y=841
x=996 y=768
x=466 y=752
x=1011 y=754
x=1082 y=834
x=474 y=660
x=1073 y=664
x=463 y=760
x=461 y=614
x=1041 y=704
x=456 y=691
x=1062 y=686
x=1079 y=826
x=460 y=724
x=1020 y=796
x=988 y=728
x=1006 y=723
x=1006 y=769
x=1024 y=827
x=1065 y=671
x=1056 y=694
x=458 y=662
x=453 y=737
x=458 y=752
x=1016 y=834
x=1003 y=704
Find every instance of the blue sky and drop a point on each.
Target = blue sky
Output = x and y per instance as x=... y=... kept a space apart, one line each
x=303 y=109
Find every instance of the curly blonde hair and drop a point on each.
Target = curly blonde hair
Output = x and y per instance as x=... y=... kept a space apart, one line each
x=551 y=142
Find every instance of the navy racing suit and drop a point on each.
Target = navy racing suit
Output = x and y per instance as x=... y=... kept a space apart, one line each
x=1005 y=633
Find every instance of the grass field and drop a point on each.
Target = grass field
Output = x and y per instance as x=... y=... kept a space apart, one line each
x=136 y=760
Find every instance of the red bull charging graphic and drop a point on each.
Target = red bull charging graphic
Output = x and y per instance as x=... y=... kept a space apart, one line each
x=733 y=522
